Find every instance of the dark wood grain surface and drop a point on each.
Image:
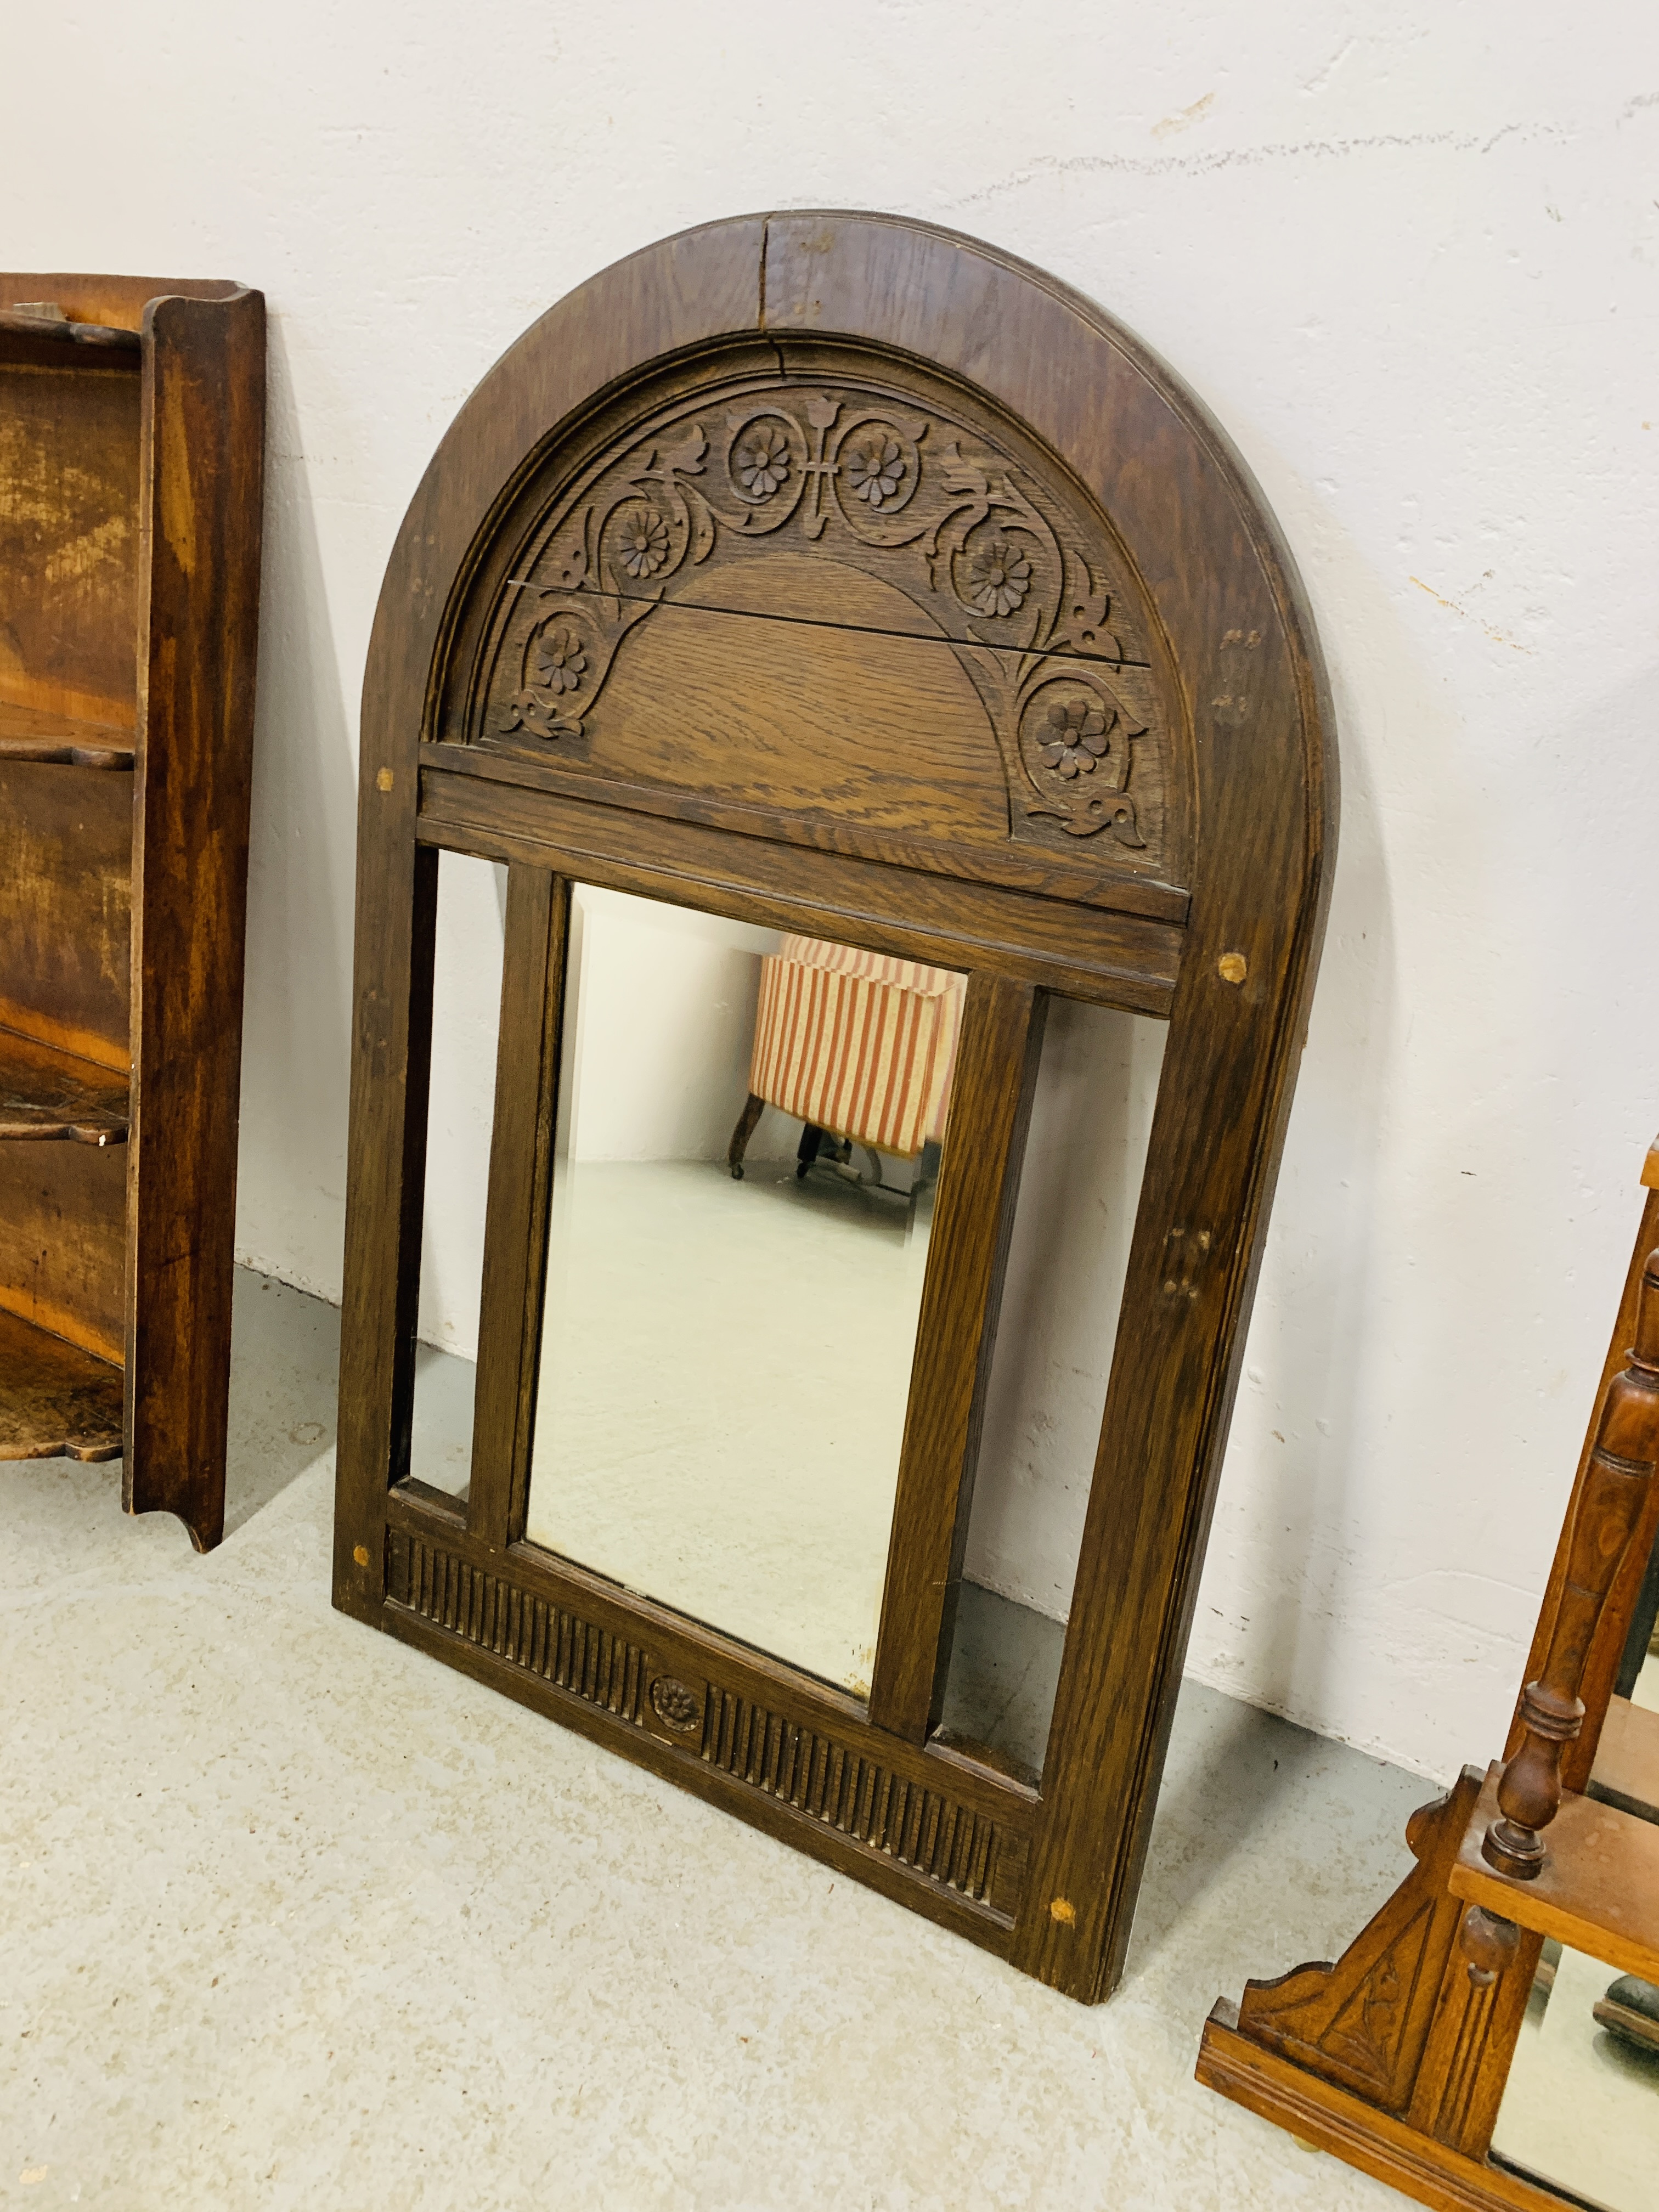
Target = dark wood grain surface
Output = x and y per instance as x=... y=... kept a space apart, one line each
x=200 y=526
x=62 y=1240
x=130 y=567
x=679 y=294
x=35 y=733
x=44 y=1093
x=1088 y=953
x=65 y=904
x=56 y=1401
x=68 y=535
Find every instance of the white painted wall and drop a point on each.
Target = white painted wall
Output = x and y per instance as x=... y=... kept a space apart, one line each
x=1407 y=254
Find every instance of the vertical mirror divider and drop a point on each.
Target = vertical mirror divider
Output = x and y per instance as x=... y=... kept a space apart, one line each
x=516 y=1209
x=978 y=1181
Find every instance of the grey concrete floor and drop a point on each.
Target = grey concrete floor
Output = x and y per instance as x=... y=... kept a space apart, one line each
x=291 y=1915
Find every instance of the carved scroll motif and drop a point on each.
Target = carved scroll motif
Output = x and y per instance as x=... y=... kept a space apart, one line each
x=917 y=500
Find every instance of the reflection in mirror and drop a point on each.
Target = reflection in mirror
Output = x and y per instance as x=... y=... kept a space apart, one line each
x=466 y=1003
x=747 y=1147
x=1581 y=2107
x=1638 y=1671
x=1626 y=1771
x=1091 y=1119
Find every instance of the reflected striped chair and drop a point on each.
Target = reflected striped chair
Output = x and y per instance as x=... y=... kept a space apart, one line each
x=858 y=1047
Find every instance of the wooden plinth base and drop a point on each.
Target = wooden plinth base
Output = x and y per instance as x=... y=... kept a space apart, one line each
x=1332 y=2119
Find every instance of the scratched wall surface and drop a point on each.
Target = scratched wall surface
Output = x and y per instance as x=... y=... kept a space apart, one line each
x=1408 y=257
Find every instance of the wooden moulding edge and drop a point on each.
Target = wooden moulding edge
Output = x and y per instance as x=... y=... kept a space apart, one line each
x=1139 y=979
x=1034 y=870
x=929 y=1827
x=1324 y=2117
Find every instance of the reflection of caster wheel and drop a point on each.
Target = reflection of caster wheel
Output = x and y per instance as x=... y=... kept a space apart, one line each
x=1630 y=2010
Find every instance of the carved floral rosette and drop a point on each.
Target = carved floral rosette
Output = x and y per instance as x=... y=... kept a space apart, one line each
x=925 y=504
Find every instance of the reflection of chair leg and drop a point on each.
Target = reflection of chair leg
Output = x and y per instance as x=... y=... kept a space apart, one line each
x=753 y=1107
x=811 y=1137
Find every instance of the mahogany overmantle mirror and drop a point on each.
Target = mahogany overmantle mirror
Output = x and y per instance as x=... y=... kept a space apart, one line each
x=1489 y=2041
x=858 y=657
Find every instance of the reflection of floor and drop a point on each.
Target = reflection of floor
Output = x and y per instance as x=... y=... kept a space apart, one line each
x=725 y=1372
x=1004 y=1666
x=441 y=1434
x=295 y=1919
x=1581 y=2108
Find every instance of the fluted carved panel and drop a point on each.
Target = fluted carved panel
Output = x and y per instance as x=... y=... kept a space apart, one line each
x=863 y=1800
x=981 y=1859
x=526 y=1630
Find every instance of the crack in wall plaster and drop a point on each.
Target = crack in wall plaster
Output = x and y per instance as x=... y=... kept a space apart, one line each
x=1322 y=77
x=1159 y=164
x=1184 y=118
x=1452 y=607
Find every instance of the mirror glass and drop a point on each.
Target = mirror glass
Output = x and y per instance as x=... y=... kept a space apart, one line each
x=748 y=1144
x=1581 y=2107
x=1074 y=1217
x=466 y=1005
x=1638 y=1669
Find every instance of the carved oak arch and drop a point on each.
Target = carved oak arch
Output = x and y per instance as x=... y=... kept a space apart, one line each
x=840 y=572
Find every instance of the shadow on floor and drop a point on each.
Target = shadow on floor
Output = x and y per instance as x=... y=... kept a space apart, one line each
x=285 y=1389
x=284 y=1382
x=1241 y=1785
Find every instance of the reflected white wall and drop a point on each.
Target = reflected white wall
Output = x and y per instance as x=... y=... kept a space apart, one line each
x=657 y=1043
x=466 y=1006
x=1092 y=1116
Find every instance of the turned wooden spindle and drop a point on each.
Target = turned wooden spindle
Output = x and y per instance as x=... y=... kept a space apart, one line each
x=1608 y=1508
x=1490 y=1946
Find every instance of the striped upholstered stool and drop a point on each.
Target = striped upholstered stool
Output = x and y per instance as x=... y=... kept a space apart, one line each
x=858 y=1047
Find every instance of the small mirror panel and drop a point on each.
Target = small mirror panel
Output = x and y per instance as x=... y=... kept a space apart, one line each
x=1079 y=1190
x=748 y=1144
x=1581 y=2107
x=466 y=1000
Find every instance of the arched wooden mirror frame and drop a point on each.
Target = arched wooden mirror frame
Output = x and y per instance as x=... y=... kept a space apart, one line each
x=1169 y=600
